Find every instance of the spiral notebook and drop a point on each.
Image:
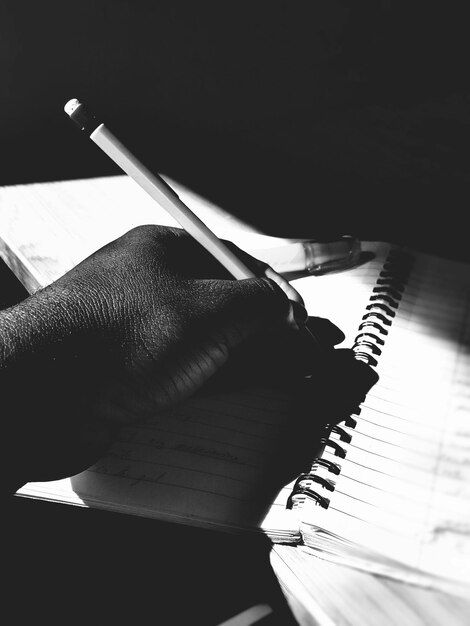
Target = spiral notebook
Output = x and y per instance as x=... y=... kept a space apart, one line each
x=388 y=491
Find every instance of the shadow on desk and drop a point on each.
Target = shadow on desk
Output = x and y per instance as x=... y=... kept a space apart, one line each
x=111 y=568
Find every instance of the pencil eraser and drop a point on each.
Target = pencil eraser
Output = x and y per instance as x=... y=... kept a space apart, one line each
x=71 y=106
x=81 y=115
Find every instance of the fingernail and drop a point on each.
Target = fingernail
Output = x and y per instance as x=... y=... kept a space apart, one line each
x=298 y=315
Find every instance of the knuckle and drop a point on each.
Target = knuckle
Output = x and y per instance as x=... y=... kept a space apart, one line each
x=149 y=233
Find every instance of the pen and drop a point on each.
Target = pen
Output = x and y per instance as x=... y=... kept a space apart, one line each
x=167 y=198
x=312 y=256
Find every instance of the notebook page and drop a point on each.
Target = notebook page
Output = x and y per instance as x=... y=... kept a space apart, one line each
x=212 y=461
x=50 y=227
x=404 y=489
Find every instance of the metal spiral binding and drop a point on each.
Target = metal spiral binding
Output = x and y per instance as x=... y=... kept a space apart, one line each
x=367 y=346
x=381 y=310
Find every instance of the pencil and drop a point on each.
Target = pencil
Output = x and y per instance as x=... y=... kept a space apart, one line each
x=157 y=188
x=168 y=199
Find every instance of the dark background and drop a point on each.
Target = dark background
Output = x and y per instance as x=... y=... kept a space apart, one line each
x=309 y=118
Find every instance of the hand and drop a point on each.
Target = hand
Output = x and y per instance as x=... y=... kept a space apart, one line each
x=133 y=329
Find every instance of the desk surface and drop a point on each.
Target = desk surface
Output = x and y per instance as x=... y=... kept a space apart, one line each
x=47 y=228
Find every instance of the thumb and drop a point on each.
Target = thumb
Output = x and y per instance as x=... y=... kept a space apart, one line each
x=252 y=335
x=249 y=306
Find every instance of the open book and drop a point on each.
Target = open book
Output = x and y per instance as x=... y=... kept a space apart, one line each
x=388 y=491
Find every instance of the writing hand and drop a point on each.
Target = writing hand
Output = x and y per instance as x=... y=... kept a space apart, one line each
x=135 y=328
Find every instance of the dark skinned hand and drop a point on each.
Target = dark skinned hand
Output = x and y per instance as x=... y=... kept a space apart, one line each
x=137 y=327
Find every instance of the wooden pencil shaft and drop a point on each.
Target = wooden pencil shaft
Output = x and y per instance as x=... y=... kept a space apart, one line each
x=162 y=193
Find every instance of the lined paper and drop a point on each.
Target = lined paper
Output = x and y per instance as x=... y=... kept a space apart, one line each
x=215 y=461
x=404 y=487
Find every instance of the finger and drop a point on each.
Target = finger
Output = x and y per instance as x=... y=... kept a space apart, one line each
x=290 y=292
x=325 y=331
x=204 y=265
x=255 y=302
x=349 y=381
x=260 y=268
